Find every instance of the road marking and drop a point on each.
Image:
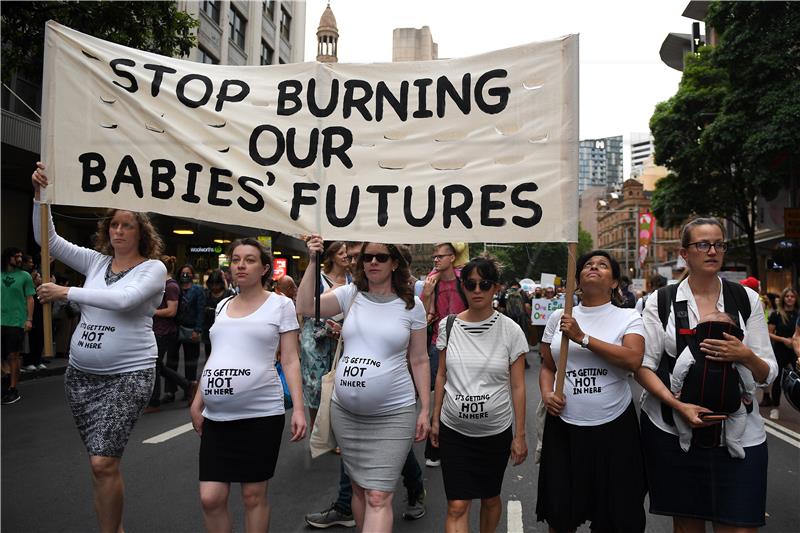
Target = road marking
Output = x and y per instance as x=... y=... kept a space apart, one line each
x=785 y=434
x=163 y=437
x=514 y=517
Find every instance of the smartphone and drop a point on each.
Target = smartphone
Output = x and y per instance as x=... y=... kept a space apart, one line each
x=712 y=416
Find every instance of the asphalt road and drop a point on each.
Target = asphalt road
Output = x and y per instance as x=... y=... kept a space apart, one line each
x=46 y=485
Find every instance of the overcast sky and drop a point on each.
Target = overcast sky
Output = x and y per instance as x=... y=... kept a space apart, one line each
x=621 y=77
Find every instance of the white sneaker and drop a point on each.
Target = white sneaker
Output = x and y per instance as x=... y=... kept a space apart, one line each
x=774 y=414
x=433 y=463
x=41 y=366
x=30 y=368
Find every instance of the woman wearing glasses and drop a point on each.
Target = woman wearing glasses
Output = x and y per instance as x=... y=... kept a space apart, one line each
x=480 y=391
x=704 y=484
x=592 y=467
x=373 y=409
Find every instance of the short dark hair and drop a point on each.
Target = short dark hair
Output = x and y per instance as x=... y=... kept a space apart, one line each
x=486 y=265
x=582 y=260
x=266 y=257
x=448 y=244
x=215 y=278
x=8 y=253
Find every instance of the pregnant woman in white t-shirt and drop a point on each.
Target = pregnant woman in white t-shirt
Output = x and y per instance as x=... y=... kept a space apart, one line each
x=238 y=411
x=592 y=467
x=373 y=408
x=481 y=376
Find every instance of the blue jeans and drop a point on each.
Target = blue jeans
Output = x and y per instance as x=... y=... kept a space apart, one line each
x=412 y=481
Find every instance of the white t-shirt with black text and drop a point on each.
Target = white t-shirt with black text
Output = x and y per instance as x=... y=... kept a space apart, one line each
x=477 y=393
x=240 y=380
x=596 y=391
x=372 y=376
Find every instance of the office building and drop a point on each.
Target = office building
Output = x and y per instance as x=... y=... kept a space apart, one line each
x=600 y=163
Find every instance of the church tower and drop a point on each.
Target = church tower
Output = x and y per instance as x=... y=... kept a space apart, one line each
x=327 y=37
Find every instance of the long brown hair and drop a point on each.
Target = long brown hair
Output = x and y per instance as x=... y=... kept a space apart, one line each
x=150 y=243
x=329 y=255
x=401 y=277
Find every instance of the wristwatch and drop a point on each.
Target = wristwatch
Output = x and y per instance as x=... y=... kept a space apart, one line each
x=585 y=341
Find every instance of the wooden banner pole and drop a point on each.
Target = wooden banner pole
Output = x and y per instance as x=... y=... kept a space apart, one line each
x=47 y=309
x=572 y=251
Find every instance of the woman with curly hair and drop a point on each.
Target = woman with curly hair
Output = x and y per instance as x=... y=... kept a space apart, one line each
x=373 y=409
x=113 y=351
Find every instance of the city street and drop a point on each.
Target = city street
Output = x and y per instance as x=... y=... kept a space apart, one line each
x=46 y=485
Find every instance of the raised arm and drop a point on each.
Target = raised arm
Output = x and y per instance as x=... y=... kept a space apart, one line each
x=148 y=281
x=328 y=303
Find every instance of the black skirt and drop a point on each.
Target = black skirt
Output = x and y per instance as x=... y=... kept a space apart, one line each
x=593 y=473
x=243 y=451
x=473 y=467
x=704 y=483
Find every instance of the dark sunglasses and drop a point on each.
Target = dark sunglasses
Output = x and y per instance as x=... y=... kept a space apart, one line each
x=471 y=284
x=382 y=258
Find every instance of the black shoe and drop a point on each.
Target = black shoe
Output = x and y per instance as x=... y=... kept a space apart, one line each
x=168 y=397
x=12 y=396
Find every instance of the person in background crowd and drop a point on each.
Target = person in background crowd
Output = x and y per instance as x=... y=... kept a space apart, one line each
x=481 y=357
x=240 y=417
x=591 y=451
x=628 y=298
x=656 y=282
x=704 y=484
x=318 y=342
x=441 y=295
x=16 y=294
x=216 y=291
x=781 y=326
x=28 y=264
x=286 y=286
x=165 y=328
x=374 y=417
x=113 y=352
x=191 y=310
x=32 y=359
x=753 y=283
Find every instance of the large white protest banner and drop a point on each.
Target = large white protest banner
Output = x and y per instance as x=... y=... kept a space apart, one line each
x=476 y=149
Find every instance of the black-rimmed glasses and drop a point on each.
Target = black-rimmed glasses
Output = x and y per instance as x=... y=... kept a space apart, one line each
x=705 y=246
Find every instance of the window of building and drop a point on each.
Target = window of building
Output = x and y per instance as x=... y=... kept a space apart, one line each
x=237 y=24
x=205 y=57
x=266 y=53
x=211 y=8
x=286 y=24
x=269 y=8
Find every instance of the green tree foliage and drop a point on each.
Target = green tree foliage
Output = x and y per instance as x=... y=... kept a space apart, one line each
x=529 y=260
x=732 y=131
x=157 y=27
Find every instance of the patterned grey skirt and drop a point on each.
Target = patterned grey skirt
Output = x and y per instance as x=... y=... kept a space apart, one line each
x=106 y=407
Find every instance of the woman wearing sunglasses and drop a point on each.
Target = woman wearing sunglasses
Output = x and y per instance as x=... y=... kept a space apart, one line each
x=704 y=484
x=373 y=408
x=592 y=467
x=480 y=391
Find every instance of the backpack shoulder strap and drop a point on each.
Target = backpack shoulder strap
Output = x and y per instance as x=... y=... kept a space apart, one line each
x=666 y=298
x=736 y=300
x=449 y=325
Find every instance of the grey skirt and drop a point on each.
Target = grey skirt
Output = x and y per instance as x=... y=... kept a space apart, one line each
x=106 y=407
x=374 y=448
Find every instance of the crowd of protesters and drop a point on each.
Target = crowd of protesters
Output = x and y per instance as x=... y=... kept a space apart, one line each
x=439 y=359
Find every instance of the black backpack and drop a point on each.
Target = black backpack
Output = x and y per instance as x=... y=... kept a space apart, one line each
x=737 y=304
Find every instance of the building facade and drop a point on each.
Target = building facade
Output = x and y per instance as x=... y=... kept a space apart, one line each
x=642 y=151
x=600 y=163
x=617 y=231
x=412 y=44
